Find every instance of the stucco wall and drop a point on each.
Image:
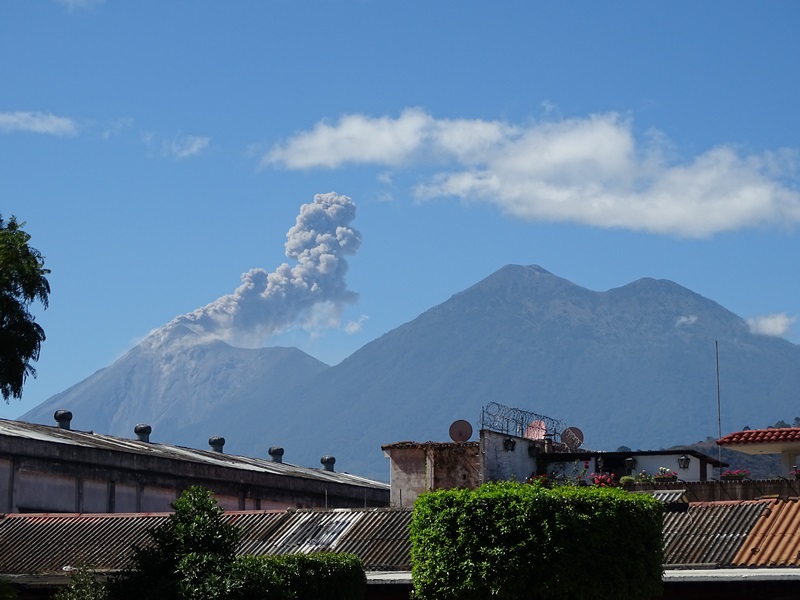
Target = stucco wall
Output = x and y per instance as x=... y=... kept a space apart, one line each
x=419 y=467
x=500 y=464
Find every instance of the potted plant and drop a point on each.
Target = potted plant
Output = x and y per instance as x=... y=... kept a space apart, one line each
x=734 y=475
x=627 y=481
x=665 y=474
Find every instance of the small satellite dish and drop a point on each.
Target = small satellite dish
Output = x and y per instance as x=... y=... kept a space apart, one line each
x=460 y=431
x=572 y=437
x=536 y=430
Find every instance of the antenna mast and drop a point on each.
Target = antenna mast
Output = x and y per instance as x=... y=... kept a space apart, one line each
x=719 y=407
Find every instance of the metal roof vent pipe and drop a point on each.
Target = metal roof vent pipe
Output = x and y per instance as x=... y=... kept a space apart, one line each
x=63 y=418
x=276 y=452
x=143 y=431
x=216 y=442
x=328 y=462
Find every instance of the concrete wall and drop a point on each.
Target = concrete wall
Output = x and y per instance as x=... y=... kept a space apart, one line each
x=651 y=464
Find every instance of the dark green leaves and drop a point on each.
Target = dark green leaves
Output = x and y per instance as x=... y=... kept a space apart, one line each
x=22 y=281
x=514 y=542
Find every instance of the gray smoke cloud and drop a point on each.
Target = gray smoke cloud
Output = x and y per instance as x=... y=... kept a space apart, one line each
x=269 y=303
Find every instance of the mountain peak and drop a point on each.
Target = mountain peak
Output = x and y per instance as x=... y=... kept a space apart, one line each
x=173 y=334
x=537 y=269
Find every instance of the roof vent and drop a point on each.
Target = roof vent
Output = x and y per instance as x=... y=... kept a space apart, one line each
x=63 y=417
x=216 y=442
x=328 y=462
x=276 y=452
x=143 y=432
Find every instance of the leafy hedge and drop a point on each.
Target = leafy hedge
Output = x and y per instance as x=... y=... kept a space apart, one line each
x=512 y=541
x=321 y=576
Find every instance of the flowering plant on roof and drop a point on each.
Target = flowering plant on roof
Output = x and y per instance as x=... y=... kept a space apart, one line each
x=603 y=479
x=735 y=473
x=542 y=480
x=665 y=473
x=643 y=477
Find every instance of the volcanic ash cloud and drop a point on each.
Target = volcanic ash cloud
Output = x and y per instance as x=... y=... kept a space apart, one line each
x=269 y=303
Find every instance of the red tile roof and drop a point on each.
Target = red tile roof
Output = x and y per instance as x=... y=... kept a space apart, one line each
x=761 y=436
x=773 y=541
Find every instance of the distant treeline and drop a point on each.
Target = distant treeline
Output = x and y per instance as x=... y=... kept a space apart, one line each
x=778 y=425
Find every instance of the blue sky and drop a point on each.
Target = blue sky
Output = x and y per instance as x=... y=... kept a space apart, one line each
x=160 y=149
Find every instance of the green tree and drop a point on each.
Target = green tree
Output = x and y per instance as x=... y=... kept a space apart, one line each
x=83 y=585
x=190 y=557
x=193 y=556
x=7 y=592
x=22 y=281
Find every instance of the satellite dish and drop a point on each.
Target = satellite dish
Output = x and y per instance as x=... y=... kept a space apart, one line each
x=536 y=430
x=460 y=431
x=572 y=437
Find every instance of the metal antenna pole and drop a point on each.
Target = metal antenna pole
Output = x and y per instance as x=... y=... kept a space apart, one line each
x=719 y=408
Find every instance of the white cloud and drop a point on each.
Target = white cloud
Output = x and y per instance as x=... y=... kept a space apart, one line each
x=184 y=146
x=355 y=139
x=686 y=320
x=37 y=122
x=589 y=170
x=778 y=324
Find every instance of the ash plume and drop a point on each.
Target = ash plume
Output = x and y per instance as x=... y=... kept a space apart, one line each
x=269 y=303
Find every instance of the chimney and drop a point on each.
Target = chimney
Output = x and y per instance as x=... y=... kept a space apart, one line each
x=276 y=452
x=216 y=442
x=143 y=431
x=63 y=417
x=328 y=462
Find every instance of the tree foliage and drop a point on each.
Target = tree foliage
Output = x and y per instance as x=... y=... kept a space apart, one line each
x=7 y=592
x=190 y=557
x=22 y=282
x=193 y=556
x=83 y=585
x=512 y=542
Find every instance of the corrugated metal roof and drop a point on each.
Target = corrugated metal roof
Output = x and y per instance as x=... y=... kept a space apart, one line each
x=709 y=533
x=378 y=536
x=748 y=533
x=44 y=544
x=775 y=539
x=89 y=439
x=670 y=496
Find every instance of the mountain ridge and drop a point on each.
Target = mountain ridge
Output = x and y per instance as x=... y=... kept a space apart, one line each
x=633 y=365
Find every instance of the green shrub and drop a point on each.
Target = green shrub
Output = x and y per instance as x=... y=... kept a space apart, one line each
x=256 y=578
x=512 y=541
x=7 y=591
x=83 y=585
x=322 y=576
